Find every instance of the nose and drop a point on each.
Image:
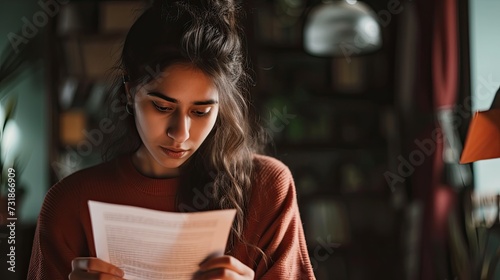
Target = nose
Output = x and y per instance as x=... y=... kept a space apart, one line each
x=178 y=128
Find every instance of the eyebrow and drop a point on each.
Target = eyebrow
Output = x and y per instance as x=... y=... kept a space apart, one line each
x=170 y=99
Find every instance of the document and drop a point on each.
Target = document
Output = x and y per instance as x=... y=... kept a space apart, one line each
x=151 y=244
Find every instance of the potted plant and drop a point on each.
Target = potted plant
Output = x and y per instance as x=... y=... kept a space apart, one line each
x=11 y=166
x=13 y=62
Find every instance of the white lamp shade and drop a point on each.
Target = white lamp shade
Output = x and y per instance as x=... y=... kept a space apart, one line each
x=340 y=29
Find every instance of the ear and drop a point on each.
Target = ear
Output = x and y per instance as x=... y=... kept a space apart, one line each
x=126 y=85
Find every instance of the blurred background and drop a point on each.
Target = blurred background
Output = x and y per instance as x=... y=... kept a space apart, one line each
x=368 y=103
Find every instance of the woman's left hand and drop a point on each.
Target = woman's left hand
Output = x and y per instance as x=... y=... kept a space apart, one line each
x=224 y=267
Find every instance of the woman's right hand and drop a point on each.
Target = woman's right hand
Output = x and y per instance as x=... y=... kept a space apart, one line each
x=94 y=268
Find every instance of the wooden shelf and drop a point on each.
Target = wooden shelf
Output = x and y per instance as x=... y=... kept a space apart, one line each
x=284 y=147
x=339 y=143
x=91 y=36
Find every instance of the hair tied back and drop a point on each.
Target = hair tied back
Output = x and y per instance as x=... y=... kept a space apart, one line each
x=225 y=9
x=220 y=9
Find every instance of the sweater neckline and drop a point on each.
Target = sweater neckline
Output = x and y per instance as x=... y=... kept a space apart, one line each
x=153 y=186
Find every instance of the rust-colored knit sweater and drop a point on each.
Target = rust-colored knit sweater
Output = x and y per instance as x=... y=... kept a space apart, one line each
x=273 y=223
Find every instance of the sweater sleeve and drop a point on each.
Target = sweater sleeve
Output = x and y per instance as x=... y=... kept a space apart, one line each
x=279 y=227
x=58 y=236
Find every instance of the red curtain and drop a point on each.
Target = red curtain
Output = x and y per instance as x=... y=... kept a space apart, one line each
x=445 y=55
x=436 y=94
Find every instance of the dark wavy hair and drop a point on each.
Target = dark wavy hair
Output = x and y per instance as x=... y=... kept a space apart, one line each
x=204 y=34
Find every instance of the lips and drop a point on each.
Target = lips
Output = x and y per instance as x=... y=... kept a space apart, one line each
x=174 y=152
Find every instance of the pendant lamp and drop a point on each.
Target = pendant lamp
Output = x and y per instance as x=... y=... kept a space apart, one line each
x=340 y=28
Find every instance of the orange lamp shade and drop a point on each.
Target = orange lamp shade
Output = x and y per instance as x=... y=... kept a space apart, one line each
x=483 y=137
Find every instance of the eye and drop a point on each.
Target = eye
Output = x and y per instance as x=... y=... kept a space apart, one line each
x=202 y=113
x=160 y=108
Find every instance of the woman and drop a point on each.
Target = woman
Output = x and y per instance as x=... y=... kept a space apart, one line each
x=187 y=129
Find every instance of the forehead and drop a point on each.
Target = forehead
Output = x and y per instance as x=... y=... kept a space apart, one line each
x=183 y=81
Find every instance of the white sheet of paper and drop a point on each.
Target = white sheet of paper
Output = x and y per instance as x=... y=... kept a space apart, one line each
x=151 y=244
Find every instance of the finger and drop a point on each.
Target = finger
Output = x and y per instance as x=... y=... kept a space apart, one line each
x=219 y=274
x=225 y=261
x=96 y=265
x=85 y=275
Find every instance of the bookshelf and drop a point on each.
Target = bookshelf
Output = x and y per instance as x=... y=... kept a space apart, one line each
x=86 y=39
x=334 y=122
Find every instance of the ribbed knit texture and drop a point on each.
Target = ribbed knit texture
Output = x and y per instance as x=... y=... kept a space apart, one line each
x=273 y=224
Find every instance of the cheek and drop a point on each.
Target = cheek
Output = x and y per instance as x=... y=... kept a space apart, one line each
x=147 y=123
x=204 y=128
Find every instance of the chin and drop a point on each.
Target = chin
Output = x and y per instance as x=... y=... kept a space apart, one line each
x=170 y=163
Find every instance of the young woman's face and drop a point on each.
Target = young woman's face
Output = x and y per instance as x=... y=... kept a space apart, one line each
x=173 y=114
